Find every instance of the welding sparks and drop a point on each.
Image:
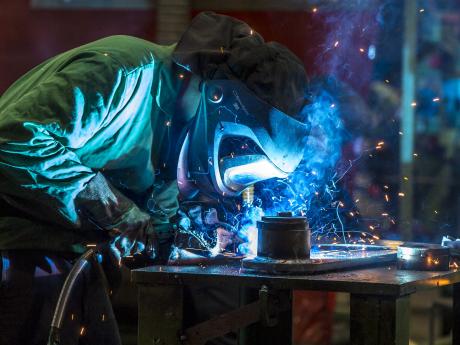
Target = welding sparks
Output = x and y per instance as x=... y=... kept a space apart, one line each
x=313 y=190
x=436 y=99
x=401 y=194
x=413 y=104
x=336 y=44
x=82 y=331
x=315 y=10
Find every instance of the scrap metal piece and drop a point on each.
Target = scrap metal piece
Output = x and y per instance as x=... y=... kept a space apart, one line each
x=423 y=257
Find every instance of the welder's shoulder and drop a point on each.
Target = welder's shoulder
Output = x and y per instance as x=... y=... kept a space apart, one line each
x=131 y=52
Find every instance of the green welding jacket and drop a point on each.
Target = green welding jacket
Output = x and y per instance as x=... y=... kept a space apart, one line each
x=102 y=112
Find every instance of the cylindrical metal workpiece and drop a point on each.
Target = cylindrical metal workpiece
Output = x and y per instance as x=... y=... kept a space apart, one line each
x=283 y=237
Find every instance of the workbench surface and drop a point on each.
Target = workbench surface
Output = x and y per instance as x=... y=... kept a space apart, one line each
x=384 y=280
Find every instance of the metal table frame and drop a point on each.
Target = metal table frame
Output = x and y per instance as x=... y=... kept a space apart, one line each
x=379 y=303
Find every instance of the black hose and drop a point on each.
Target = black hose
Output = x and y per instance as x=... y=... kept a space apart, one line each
x=66 y=291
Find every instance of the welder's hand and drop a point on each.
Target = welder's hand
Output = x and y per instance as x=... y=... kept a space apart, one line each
x=130 y=234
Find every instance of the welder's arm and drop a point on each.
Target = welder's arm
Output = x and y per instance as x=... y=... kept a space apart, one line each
x=108 y=209
x=40 y=173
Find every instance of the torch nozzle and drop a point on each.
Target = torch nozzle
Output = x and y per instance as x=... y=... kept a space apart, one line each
x=248 y=195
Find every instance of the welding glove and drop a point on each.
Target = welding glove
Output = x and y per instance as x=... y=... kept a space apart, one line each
x=133 y=233
x=107 y=209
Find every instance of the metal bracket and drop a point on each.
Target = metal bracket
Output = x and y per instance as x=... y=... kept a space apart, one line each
x=265 y=310
x=269 y=307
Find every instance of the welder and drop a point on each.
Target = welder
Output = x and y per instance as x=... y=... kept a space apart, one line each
x=100 y=144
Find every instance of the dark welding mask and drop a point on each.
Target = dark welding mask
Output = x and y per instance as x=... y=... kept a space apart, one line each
x=271 y=142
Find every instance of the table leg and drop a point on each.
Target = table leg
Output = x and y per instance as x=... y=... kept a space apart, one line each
x=456 y=315
x=258 y=334
x=160 y=314
x=379 y=320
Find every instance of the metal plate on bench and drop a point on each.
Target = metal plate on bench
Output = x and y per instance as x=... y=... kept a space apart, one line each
x=326 y=257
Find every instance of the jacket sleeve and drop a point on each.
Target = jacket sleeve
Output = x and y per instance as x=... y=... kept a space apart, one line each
x=40 y=173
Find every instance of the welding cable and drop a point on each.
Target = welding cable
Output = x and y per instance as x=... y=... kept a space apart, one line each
x=66 y=291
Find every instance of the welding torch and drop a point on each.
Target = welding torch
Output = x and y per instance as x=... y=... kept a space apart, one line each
x=190 y=249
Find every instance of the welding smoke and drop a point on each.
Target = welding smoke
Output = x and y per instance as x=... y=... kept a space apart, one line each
x=343 y=59
x=322 y=152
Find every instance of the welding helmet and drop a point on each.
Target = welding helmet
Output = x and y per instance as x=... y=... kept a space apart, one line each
x=229 y=110
x=245 y=129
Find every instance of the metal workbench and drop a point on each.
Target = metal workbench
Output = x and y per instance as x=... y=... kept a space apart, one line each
x=379 y=303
